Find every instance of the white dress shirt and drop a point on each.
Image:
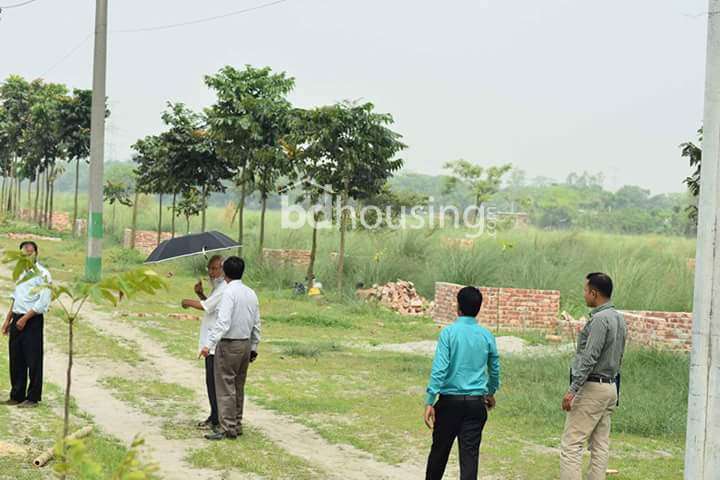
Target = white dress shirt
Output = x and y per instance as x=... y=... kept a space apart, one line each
x=210 y=305
x=238 y=316
x=28 y=297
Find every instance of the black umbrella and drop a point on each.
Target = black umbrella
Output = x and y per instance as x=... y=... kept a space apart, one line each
x=189 y=245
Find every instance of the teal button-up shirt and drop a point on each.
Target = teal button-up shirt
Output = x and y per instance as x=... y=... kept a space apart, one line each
x=466 y=361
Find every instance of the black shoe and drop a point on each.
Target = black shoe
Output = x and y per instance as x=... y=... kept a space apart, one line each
x=205 y=424
x=28 y=404
x=220 y=436
x=10 y=401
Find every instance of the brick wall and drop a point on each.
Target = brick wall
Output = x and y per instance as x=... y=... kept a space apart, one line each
x=288 y=256
x=145 y=240
x=60 y=220
x=510 y=308
x=520 y=309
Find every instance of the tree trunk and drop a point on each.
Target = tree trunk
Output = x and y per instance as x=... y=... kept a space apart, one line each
x=18 y=198
x=262 y=225
x=10 y=187
x=341 y=253
x=68 y=383
x=133 y=227
x=160 y=221
x=173 y=214
x=241 y=210
x=29 y=202
x=2 y=192
x=52 y=198
x=112 y=222
x=75 y=205
x=313 y=250
x=38 y=187
x=187 y=222
x=47 y=198
x=205 y=206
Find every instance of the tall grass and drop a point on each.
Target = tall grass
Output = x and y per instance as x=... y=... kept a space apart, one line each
x=650 y=272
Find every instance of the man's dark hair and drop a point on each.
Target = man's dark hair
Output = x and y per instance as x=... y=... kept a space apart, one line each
x=29 y=242
x=469 y=301
x=234 y=267
x=600 y=282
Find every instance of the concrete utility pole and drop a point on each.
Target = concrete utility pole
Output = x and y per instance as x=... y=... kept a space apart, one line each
x=702 y=449
x=93 y=261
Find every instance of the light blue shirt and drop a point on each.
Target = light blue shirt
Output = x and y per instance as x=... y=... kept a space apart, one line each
x=28 y=297
x=466 y=361
x=238 y=316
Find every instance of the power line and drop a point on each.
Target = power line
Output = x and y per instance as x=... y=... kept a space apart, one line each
x=67 y=55
x=16 y=5
x=202 y=20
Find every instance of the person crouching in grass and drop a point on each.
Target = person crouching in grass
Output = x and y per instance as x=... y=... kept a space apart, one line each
x=465 y=376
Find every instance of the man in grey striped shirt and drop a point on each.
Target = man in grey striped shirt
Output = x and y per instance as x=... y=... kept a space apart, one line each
x=592 y=396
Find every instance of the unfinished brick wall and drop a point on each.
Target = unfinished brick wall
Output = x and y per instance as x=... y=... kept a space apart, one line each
x=60 y=220
x=520 y=309
x=510 y=308
x=287 y=256
x=145 y=240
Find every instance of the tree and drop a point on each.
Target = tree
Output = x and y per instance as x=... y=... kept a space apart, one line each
x=248 y=121
x=115 y=193
x=75 y=132
x=190 y=205
x=151 y=174
x=191 y=160
x=350 y=148
x=694 y=154
x=482 y=182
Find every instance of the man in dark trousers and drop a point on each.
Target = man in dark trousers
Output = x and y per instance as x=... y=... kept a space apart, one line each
x=465 y=376
x=235 y=337
x=209 y=305
x=24 y=324
x=592 y=397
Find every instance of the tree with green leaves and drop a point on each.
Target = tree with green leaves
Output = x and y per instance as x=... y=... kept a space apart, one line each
x=114 y=193
x=191 y=157
x=693 y=153
x=151 y=174
x=75 y=133
x=190 y=205
x=248 y=122
x=72 y=298
x=482 y=182
x=350 y=148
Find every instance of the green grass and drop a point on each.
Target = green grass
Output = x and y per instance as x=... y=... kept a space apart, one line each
x=253 y=452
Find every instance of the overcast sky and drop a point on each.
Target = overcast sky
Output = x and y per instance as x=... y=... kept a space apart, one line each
x=550 y=86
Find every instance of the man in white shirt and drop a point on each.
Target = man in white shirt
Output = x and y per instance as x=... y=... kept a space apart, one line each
x=24 y=323
x=235 y=338
x=209 y=305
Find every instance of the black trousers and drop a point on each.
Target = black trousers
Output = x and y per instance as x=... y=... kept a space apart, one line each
x=26 y=359
x=210 y=383
x=461 y=419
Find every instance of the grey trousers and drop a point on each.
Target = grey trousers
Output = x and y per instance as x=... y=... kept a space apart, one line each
x=232 y=358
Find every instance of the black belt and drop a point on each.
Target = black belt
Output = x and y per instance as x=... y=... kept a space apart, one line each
x=234 y=339
x=462 y=397
x=600 y=379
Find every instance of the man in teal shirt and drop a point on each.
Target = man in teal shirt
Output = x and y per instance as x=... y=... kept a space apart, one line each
x=465 y=376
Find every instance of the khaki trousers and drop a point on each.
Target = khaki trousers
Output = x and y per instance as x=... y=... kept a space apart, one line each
x=588 y=421
x=232 y=358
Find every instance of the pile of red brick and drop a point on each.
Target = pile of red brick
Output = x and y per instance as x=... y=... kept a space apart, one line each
x=399 y=296
x=145 y=241
x=287 y=256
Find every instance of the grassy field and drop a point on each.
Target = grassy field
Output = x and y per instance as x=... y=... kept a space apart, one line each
x=318 y=367
x=650 y=272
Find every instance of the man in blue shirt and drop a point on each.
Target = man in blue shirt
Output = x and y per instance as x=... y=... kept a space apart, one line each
x=24 y=324
x=465 y=376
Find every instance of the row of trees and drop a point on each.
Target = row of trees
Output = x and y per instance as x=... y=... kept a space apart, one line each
x=44 y=128
x=255 y=139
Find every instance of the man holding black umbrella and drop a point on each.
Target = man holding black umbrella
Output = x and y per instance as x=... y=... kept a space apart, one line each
x=209 y=305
